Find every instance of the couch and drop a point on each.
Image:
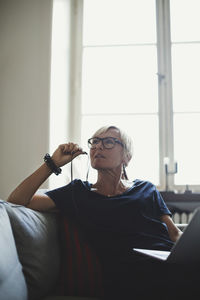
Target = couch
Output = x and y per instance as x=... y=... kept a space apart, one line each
x=31 y=257
x=43 y=256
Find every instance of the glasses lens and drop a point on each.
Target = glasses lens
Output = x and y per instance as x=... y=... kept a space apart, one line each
x=93 y=142
x=108 y=143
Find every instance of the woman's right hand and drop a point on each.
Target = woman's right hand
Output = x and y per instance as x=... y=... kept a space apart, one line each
x=24 y=193
x=66 y=153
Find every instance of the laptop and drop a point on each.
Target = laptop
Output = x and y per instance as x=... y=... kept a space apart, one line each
x=187 y=247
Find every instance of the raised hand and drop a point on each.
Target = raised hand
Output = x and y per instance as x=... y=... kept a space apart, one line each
x=66 y=153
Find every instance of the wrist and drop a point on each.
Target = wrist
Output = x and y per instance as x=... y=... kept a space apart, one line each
x=51 y=164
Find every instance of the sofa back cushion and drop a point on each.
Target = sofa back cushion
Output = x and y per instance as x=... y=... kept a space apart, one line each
x=37 y=244
x=81 y=273
x=12 y=281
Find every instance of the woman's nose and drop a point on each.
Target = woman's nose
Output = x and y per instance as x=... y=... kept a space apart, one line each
x=99 y=145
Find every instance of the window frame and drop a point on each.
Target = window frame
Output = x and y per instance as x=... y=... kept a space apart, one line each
x=166 y=139
x=165 y=94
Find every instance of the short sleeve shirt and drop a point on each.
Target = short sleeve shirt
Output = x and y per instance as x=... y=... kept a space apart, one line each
x=117 y=224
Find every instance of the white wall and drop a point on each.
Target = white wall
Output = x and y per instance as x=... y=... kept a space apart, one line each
x=25 y=45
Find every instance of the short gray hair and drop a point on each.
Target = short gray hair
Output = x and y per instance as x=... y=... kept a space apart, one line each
x=125 y=138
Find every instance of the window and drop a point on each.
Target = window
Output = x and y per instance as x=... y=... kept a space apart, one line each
x=118 y=62
x=140 y=72
x=134 y=64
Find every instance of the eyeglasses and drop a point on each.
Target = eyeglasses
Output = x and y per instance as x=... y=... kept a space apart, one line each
x=107 y=142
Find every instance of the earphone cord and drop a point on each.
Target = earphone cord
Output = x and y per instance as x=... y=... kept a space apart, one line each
x=71 y=171
x=73 y=198
x=88 y=169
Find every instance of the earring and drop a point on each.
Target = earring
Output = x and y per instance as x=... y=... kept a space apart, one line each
x=124 y=173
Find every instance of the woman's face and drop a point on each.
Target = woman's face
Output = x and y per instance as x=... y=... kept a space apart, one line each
x=102 y=158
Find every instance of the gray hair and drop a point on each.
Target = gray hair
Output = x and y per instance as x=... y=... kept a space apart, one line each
x=126 y=140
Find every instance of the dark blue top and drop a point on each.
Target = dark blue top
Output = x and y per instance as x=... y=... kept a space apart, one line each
x=115 y=225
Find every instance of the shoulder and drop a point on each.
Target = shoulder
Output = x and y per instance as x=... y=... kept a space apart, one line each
x=80 y=187
x=63 y=190
x=76 y=183
x=79 y=184
x=144 y=184
x=145 y=189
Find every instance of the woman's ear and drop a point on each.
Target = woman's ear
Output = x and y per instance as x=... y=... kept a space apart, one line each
x=126 y=159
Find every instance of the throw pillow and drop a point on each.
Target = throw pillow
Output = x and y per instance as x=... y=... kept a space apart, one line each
x=81 y=273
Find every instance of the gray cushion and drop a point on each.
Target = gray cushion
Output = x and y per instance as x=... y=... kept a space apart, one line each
x=37 y=245
x=12 y=281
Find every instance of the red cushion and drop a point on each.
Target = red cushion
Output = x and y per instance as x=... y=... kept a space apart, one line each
x=81 y=273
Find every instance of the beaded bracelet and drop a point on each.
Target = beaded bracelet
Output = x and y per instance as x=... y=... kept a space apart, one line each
x=50 y=163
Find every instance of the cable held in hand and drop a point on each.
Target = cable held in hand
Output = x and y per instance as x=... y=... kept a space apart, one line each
x=73 y=152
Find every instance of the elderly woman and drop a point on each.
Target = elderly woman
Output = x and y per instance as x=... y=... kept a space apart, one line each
x=116 y=215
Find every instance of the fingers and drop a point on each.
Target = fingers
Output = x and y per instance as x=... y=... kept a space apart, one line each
x=72 y=149
x=66 y=153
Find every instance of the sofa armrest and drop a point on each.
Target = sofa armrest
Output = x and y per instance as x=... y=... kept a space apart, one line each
x=12 y=281
x=37 y=243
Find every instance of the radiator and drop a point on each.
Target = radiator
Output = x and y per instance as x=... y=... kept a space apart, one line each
x=182 y=218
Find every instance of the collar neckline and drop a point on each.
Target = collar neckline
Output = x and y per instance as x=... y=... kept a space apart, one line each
x=89 y=187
